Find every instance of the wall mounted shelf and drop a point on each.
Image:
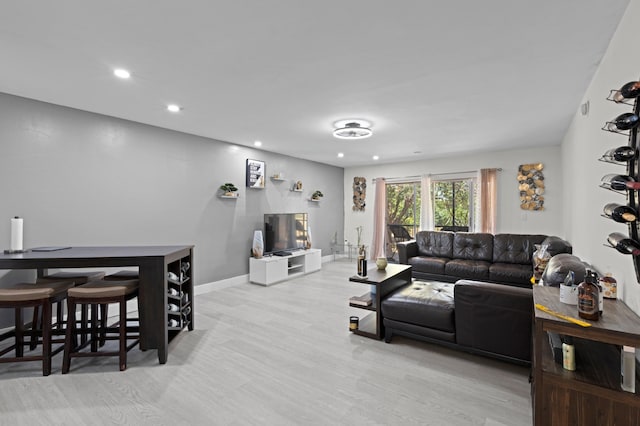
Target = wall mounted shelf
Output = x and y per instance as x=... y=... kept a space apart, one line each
x=229 y=196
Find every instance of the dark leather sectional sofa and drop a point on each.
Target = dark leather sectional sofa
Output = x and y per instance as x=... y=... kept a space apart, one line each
x=500 y=258
x=489 y=308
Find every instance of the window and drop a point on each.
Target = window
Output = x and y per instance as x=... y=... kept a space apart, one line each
x=403 y=214
x=453 y=204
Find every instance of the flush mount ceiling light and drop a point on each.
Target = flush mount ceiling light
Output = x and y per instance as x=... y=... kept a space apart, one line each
x=174 y=108
x=352 y=129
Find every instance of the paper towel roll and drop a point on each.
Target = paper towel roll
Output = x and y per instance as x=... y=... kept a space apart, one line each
x=16 y=233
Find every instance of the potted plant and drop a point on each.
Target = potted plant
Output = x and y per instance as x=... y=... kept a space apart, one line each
x=317 y=195
x=229 y=190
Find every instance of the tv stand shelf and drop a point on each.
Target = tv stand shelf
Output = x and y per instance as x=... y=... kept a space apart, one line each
x=272 y=269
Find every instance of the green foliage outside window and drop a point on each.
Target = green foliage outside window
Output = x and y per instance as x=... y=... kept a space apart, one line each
x=451 y=203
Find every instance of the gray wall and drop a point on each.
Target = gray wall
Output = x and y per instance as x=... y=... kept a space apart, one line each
x=79 y=178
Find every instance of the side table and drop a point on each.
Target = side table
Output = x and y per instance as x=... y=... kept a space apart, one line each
x=386 y=281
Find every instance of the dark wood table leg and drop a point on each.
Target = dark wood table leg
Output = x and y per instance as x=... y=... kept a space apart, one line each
x=152 y=307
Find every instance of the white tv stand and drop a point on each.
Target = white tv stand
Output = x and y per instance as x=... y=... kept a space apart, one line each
x=272 y=269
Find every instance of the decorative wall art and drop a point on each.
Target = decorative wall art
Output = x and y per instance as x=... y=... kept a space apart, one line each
x=256 y=172
x=531 y=186
x=359 y=193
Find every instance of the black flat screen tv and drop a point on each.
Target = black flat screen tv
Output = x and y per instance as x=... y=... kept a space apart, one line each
x=284 y=232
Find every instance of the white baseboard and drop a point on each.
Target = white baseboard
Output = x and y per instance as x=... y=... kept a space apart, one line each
x=217 y=285
x=229 y=282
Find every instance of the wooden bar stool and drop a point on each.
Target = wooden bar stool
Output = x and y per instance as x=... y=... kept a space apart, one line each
x=77 y=278
x=101 y=293
x=124 y=275
x=25 y=295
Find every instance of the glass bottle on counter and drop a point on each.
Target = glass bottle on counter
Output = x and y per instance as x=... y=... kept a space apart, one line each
x=610 y=286
x=588 y=298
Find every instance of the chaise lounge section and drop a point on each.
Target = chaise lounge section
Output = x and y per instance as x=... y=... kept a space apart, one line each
x=478 y=317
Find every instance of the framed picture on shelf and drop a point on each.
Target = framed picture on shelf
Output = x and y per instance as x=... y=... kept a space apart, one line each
x=256 y=172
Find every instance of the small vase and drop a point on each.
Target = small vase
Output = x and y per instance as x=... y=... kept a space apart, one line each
x=258 y=245
x=308 y=245
x=381 y=263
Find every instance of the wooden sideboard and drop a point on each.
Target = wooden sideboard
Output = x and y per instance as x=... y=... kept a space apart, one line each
x=591 y=395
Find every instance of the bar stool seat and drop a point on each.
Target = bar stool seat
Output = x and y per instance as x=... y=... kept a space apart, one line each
x=24 y=295
x=75 y=277
x=101 y=293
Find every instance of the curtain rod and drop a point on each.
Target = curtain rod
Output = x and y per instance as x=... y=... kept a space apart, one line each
x=409 y=178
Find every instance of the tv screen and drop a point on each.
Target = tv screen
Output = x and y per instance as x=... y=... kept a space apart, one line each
x=284 y=231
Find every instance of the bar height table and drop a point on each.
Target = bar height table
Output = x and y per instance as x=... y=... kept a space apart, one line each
x=152 y=263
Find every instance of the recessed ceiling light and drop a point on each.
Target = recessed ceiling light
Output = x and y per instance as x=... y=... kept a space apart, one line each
x=174 y=108
x=340 y=154
x=257 y=143
x=122 y=73
x=375 y=157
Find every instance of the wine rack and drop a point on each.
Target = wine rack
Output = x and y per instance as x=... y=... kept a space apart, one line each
x=179 y=298
x=632 y=164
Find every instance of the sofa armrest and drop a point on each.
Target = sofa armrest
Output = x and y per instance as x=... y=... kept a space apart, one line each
x=494 y=317
x=406 y=250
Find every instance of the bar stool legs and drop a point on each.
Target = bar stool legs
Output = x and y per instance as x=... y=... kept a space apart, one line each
x=97 y=295
x=20 y=296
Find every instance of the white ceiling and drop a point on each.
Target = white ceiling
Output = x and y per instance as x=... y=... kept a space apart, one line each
x=436 y=78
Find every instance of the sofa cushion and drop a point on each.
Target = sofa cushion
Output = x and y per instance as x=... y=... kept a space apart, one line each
x=515 y=248
x=430 y=265
x=435 y=243
x=473 y=269
x=511 y=273
x=473 y=246
x=421 y=303
x=556 y=245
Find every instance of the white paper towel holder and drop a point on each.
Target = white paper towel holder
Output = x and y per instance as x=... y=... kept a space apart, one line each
x=13 y=250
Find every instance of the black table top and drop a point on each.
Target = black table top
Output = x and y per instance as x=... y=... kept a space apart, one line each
x=79 y=257
x=98 y=251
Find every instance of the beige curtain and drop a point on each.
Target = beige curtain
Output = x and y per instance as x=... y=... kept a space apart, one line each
x=488 y=196
x=426 y=210
x=379 y=220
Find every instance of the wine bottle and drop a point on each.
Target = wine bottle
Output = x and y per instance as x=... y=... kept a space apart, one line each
x=628 y=91
x=626 y=121
x=621 y=154
x=623 y=244
x=173 y=307
x=619 y=182
x=620 y=213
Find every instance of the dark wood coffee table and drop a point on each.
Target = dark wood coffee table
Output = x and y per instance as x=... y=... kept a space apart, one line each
x=385 y=281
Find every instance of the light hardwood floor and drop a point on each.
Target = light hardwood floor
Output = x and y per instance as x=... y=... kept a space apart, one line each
x=278 y=355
